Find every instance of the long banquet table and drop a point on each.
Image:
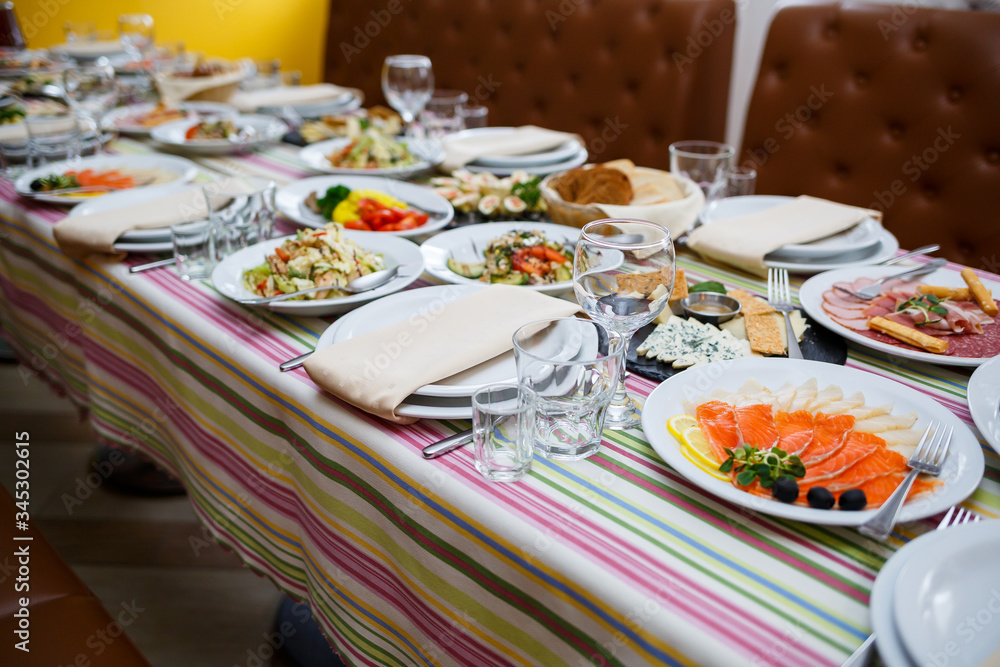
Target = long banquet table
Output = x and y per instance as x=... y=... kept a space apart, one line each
x=616 y=560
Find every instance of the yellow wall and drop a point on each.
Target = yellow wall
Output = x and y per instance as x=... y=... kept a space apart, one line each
x=292 y=30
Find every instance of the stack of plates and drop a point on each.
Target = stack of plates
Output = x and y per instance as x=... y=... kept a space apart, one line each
x=984 y=402
x=865 y=243
x=937 y=600
x=450 y=398
x=140 y=241
x=565 y=156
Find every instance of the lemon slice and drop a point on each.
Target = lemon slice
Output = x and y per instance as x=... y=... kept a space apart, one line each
x=696 y=449
x=680 y=423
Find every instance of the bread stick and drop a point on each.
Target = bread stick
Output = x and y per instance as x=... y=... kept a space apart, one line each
x=956 y=293
x=908 y=335
x=980 y=293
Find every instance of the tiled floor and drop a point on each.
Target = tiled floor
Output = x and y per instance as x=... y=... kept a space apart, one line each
x=199 y=609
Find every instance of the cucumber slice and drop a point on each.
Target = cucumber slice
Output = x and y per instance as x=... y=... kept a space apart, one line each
x=563 y=273
x=512 y=278
x=467 y=270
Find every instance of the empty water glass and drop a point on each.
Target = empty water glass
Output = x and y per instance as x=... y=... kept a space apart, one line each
x=194 y=249
x=741 y=182
x=707 y=163
x=242 y=209
x=53 y=134
x=571 y=366
x=443 y=114
x=135 y=31
x=474 y=115
x=502 y=431
x=407 y=83
x=79 y=31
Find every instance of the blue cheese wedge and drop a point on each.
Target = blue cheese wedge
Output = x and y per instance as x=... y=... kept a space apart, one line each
x=684 y=342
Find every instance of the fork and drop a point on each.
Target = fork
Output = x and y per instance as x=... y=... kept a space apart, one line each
x=928 y=457
x=862 y=655
x=871 y=291
x=779 y=295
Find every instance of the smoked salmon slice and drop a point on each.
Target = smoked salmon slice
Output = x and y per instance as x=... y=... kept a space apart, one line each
x=828 y=437
x=878 y=490
x=883 y=461
x=856 y=447
x=795 y=430
x=718 y=421
x=756 y=423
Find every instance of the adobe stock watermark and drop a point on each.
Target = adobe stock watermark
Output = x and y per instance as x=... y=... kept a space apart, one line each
x=901 y=13
x=915 y=167
x=787 y=126
x=973 y=625
x=364 y=34
x=41 y=17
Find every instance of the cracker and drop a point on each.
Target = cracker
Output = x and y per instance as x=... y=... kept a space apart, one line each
x=750 y=304
x=680 y=286
x=641 y=283
x=765 y=333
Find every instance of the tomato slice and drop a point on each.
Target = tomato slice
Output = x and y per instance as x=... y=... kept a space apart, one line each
x=282 y=253
x=358 y=224
x=555 y=256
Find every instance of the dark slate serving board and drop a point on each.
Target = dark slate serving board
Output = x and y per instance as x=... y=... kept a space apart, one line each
x=818 y=344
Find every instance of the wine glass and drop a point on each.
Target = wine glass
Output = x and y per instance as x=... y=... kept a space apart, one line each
x=408 y=83
x=93 y=92
x=623 y=274
x=135 y=31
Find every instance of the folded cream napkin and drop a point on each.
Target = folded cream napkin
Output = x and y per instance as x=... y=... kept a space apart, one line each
x=290 y=96
x=744 y=240
x=377 y=371
x=82 y=235
x=676 y=216
x=174 y=89
x=522 y=141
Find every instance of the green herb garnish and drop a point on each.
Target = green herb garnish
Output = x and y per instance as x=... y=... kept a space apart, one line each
x=708 y=286
x=926 y=305
x=528 y=191
x=766 y=465
x=329 y=201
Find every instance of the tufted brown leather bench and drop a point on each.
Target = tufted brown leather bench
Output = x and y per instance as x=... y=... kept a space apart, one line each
x=630 y=76
x=890 y=106
x=67 y=624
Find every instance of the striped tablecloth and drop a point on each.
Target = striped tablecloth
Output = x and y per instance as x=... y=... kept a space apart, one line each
x=617 y=560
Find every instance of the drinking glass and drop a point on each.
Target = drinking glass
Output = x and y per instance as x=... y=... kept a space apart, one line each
x=623 y=273
x=502 y=431
x=707 y=163
x=408 y=83
x=474 y=115
x=93 y=91
x=79 y=31
x=53 y=133
x=194 y=249
x=443 y=113
x=571 y=366
x=741 y=182
x=242 y=210
x=135 y=31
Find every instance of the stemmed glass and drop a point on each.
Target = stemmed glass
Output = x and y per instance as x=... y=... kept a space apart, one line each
x=408 y=83
x=135 y=31
x=93 y=92
x=623 y=273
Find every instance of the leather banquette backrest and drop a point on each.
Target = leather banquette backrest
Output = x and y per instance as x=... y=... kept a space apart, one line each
x=630 y=76
x=895 y=107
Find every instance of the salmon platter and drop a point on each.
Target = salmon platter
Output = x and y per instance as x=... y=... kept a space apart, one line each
x=806 y=440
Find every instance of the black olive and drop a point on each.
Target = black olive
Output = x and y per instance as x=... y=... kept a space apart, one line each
x=786 y=489
x=36 y=185
x=853 y=500
x=820 y=498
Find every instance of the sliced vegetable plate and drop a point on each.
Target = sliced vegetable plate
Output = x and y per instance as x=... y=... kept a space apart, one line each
x=166 y=168
x=962 y=472
x=316 y=156
x=811 y=298
x=463 y=247
x=291 y=200
x=255 y=130
x=228 y=275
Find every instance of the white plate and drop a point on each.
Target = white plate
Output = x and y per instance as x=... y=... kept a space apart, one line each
x=228 y=275
x=540 y=170
x=343 y=103
x=117 y=119
x=883 y=621
x=863 y=236
x=88 y=50
x=560 y=153
x=962 y=471
x=984 y=401
x=415 y=305
x=291 y=200
x=116 y=200
x=315 y=155
x=886 y=249
x=949 y=580
x=184 y=170
x=458 y=243
x=266 y=129
x=811 y=298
